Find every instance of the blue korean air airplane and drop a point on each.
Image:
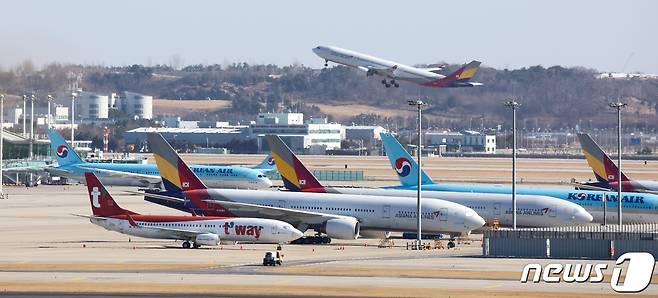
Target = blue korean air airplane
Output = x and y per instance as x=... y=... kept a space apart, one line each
x=636 y=207
x=71 y=166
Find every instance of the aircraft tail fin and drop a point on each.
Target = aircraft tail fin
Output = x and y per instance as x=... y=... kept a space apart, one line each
x=460 y=78
x=176 y=175
x=295 y=175
x=102 y=203
x=268 y=164
x=604 y=168
x=402 y=162
x=64 y=153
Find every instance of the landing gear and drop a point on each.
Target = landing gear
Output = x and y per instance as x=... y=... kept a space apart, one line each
x=312 y=240
x=386 y=84
x=196 y=245
x=326 y=63
x=451 y=244
x=394 y=83
x=186 y=244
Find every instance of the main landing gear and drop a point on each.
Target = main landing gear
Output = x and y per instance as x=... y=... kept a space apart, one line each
x=187 y=244
x=392 y=83
x=312 y=240
x=326 y=63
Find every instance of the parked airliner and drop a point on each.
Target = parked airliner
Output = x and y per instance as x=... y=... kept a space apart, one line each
x=337 y=215
x=71 y=166
x=636 y=207
x=429 y=77
x=532 y=210
x=193 y=230
x=606 y=171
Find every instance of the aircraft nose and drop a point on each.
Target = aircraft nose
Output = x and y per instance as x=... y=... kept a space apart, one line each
x=296 y=234
x=582 y=216
x=473 y=221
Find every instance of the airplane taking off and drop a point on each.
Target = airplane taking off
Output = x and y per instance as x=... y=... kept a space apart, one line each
x=429 y=77
x=198 y=230
x=337 y=215
x=606 y=170
x=636 y=207
x=71 y=166
x=532 y=211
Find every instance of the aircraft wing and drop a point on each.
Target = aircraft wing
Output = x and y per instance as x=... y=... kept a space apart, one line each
x=151 y=179
x=253 y=210
x=285 y=214
x=390 y=72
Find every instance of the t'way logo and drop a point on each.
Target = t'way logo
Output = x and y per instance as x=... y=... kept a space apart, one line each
x=242 y=230
x=94 y=197
x=637 y=279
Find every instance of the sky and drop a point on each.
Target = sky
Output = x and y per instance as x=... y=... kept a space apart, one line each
x=604 y=35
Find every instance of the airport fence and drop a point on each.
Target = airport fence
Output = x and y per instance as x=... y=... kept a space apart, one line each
x=592 y=242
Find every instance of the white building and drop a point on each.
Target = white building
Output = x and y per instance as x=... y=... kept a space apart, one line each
x=315 y=134
x=135 y=104
x=90 y=106
x=466 y=141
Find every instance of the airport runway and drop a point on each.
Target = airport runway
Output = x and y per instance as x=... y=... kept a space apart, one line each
x=47 y=251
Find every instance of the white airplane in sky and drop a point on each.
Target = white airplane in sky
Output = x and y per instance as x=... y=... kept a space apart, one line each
x=193 y=230
x=394 y=71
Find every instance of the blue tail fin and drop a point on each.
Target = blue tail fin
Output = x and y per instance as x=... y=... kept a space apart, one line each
x=62 y=151
x=403 y=164
x=266 y=165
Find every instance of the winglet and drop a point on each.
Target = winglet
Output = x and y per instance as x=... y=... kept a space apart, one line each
x=402 y=162
x=604 y=168
x=64 y=153
x=176 y=175
x=295 y=175
x=102 y=203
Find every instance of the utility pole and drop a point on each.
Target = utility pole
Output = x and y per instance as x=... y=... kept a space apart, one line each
x=618 y=106
x=513 y=104
x=419 y=153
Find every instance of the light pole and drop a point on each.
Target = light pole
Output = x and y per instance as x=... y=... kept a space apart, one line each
x=2 y=131
x=618 y=105
x=513 y=104
x=24 y=114
x=72 y=119
x=32 y=98
x=50 y=99
x=419 y=215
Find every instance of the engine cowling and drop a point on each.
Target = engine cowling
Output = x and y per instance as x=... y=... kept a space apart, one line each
x=342 y=228
x=208 y=239
x=371 y=234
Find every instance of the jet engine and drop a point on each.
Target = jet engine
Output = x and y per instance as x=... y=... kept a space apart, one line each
x=342 y=228
x=208 y=239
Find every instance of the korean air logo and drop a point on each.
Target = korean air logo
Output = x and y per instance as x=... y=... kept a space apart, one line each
x=62 y=151
x=270 y=161
x=402 y=167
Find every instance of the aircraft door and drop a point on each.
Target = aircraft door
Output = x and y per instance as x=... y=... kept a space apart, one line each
x=496 y=209
x=443 y=215
x=553 y=211
x=386 y=211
